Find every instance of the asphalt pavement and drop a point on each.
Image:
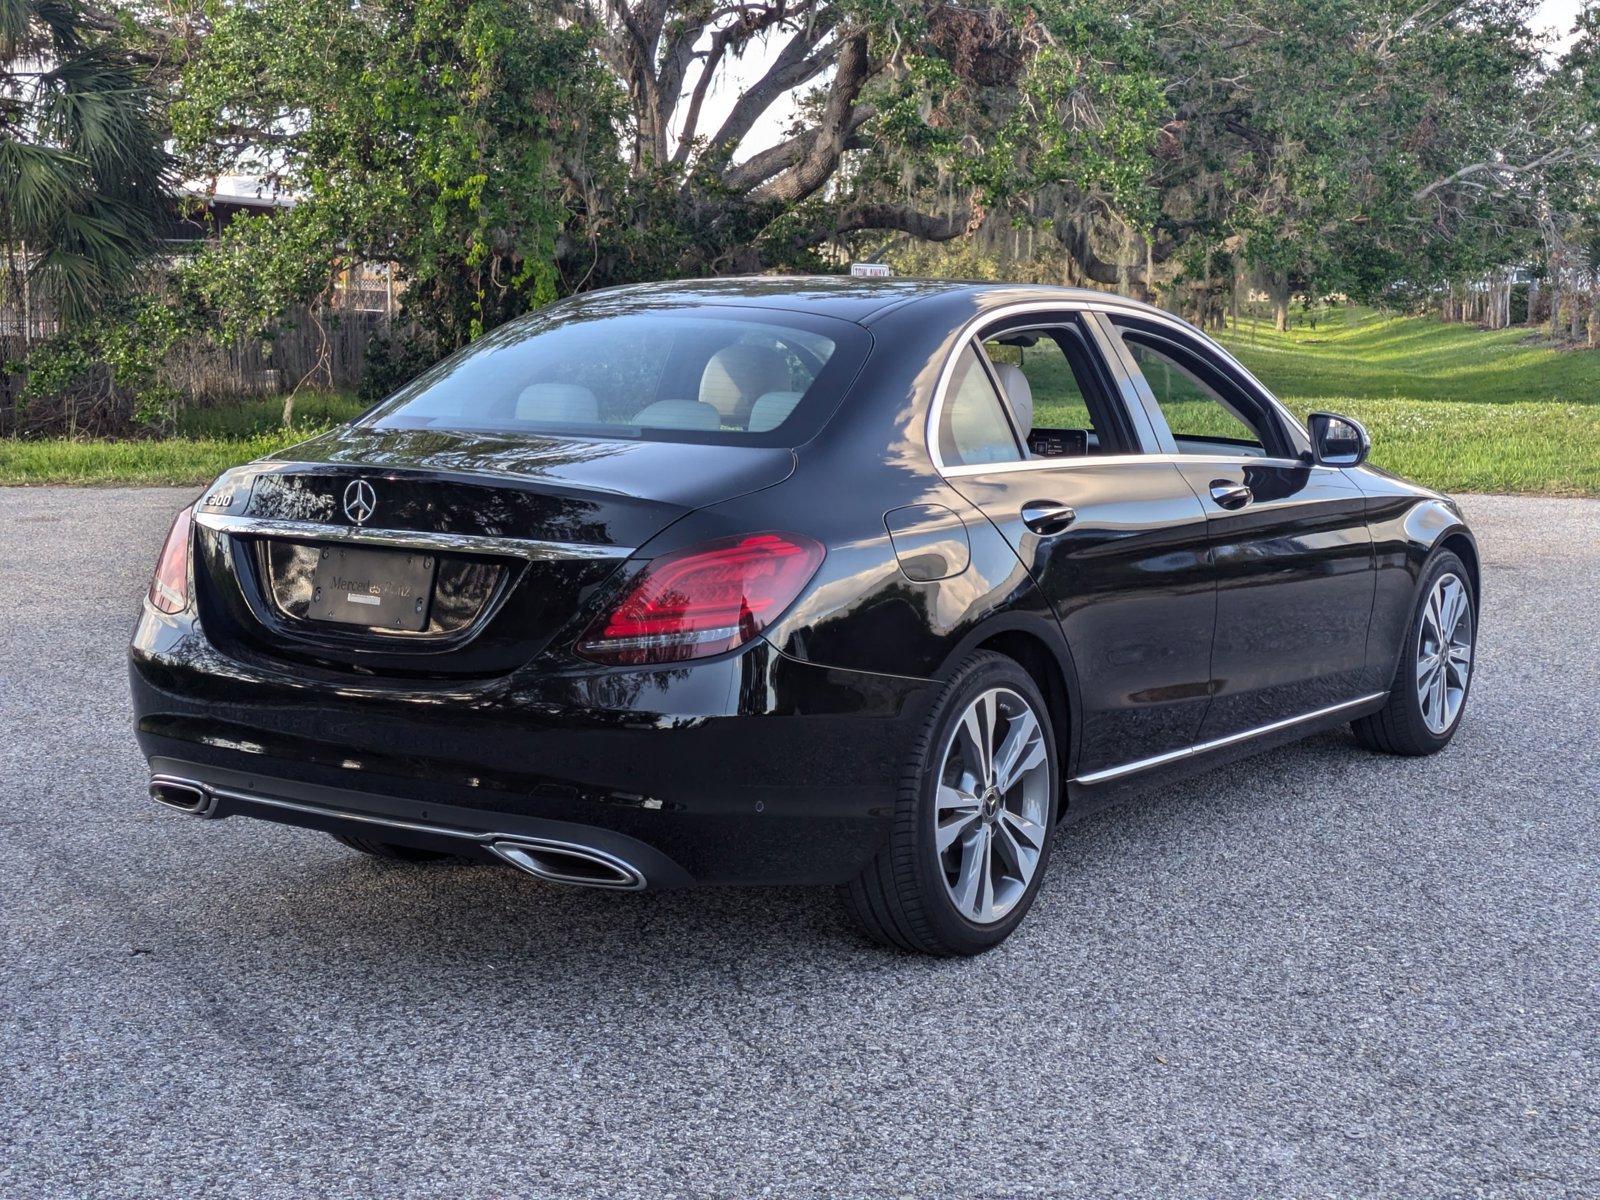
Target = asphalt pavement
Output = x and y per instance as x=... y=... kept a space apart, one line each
x=1317 y=973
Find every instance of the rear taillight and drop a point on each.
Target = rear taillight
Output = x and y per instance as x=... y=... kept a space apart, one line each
x=703 y=600
x=169 y=590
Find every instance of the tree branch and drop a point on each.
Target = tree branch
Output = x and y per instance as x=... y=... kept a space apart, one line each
x=794 y=65
x=752 y=20
x=899 y=217
x=819 y=158
x=630 y=49
x=1497 y=169
x=758 y=168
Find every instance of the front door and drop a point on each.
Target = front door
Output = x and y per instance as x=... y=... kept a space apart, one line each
x=1289 y=540
x=1114 y=538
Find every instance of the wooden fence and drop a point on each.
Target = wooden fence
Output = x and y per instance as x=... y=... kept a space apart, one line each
x=324 y=349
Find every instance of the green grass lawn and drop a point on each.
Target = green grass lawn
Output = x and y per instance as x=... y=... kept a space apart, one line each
x=264 y=417
x=1451 y=406
x=209 y=441
x=1448 y=405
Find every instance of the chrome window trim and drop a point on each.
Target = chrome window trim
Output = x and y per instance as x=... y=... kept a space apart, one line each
x=1132 y=309
x=1074 y=462
x=972 y=331
x=1199 y=748
x=534 y=549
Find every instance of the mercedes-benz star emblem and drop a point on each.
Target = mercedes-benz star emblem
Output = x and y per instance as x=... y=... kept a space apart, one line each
x=359 y=501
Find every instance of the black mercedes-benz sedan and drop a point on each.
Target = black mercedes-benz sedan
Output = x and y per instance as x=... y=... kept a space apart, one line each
x=802 y=581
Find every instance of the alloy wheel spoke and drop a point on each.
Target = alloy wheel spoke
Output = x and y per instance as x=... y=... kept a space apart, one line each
x=1029 y=833
x=1432 y=618
x=987 y=895
x=954 y=829
x=1021 y=752
x=957 y=812
x=976 y=877
x=1019 y=856
x=1455 y=610
x=1425 y=673
x=978 y=727
x=954 y=799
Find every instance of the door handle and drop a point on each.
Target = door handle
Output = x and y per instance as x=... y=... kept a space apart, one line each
x=1228 y=494
x=1046 y=517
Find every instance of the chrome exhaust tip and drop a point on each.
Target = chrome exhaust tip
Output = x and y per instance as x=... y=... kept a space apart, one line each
x=579 y=866
x=185 y=795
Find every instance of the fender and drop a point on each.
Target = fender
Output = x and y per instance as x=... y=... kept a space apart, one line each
x=1015 y=633
x=1406 y=532
x=1431 y=521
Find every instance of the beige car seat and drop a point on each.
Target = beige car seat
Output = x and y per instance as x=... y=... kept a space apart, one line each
x=1019 y=395
x=737 y=376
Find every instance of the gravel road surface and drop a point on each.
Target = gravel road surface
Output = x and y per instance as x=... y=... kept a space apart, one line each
x=1316 y=973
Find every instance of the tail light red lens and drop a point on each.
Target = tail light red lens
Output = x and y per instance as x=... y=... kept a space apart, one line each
x=169 y=590
x=704 y=600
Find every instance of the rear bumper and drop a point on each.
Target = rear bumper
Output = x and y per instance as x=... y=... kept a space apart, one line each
x=751 y=768
x=556 y=851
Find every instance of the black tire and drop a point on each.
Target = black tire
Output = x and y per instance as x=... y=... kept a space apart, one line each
x=901 y=898
x=1399 y=726
x=388 y=850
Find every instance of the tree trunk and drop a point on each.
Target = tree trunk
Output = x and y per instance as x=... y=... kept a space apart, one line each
x=1278 y=289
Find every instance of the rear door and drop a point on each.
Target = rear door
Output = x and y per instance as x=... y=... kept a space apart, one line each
x=1289 y=539
x=1114 y=537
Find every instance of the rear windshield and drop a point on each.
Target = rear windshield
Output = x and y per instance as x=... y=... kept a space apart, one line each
x=613 y=368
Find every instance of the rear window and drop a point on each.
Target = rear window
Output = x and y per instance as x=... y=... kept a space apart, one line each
x=604 y=368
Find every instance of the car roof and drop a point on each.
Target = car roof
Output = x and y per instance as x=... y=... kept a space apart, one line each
x=849 y=298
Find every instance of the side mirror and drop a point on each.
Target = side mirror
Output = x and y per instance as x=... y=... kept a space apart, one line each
x=1338 y=441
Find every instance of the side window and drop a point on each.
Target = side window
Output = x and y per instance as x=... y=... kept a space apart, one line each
x=973 y=427
x=1052 y=384
x=1203 y=418
x=1057 y=395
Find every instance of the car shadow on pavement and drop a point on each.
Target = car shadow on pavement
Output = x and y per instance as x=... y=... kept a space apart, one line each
x=444 y=917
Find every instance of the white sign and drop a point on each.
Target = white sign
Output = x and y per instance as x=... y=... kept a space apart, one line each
x=871 y=270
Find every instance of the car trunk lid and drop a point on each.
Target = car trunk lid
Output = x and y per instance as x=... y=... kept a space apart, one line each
x=423 y=553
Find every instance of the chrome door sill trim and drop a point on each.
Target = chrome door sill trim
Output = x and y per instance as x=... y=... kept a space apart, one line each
x=1160 y=760
x=409 y=539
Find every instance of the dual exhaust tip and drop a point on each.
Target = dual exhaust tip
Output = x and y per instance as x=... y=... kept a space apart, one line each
x=560 y=862
x=546 y=859
x=181 y=794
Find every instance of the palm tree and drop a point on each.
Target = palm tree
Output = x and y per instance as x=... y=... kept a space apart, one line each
x=82 y=169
